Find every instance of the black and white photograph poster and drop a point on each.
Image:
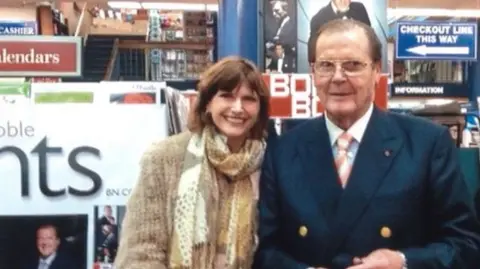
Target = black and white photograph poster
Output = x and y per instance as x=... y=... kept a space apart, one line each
x=290 y=28
x=280 y=32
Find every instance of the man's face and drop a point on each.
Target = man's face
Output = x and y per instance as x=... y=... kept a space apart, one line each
x=279 y=9
x=279 y=51
x=47 y=241
x=107 y=211
x=342 y=5
x=346 y=83
x=453 y=132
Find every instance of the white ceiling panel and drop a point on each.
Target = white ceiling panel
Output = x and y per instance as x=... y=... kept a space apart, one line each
x=23 y=3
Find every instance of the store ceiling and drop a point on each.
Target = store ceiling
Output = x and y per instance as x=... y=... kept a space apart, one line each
x=23 y=3
x=448 y=4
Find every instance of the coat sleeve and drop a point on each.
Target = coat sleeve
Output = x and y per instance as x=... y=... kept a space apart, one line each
x=269 y=253
x=143 y=240
x=362 y=14
x=456 y=232
x=315 y=24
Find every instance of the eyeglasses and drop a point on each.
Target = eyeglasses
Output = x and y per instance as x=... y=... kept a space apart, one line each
x=349 y=68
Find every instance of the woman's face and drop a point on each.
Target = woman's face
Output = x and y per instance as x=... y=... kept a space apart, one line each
x=234 y=113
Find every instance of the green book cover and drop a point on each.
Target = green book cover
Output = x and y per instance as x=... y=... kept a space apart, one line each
x=63 y=97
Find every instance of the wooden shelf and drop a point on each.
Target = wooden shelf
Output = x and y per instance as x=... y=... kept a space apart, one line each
x=185 y=45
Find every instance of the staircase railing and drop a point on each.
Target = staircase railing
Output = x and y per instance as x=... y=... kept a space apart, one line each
x=80 y=20
x=84 y=22
x=128 y=47
x=113 y=66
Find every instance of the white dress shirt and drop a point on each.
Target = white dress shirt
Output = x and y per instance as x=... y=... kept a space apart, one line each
x=357 y=130
x=45 y=263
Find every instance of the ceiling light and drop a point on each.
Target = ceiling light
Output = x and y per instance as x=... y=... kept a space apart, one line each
x=432 y=12
x=181 y=6
x=126 y=4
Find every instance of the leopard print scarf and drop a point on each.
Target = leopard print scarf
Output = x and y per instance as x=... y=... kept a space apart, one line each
x=197 y=240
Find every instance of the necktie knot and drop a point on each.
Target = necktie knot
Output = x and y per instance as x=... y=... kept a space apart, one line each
x=43 y=264
x=344 y=141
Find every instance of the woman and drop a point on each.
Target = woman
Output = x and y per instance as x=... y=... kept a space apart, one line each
x=195 y=203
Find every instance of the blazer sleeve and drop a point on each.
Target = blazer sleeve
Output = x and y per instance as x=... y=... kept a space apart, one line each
x=269 y=254
x=362 y=14
x=315 y=24
x=143 y=240
x=456 y=232
x=270 y=66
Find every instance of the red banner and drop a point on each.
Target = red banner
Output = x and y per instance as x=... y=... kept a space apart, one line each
x=294 y=96
x=40 y=56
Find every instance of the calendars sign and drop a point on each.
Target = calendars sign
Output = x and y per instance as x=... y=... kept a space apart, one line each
x=45 y=56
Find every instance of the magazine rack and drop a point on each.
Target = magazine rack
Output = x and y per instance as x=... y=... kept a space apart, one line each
x=449 y=115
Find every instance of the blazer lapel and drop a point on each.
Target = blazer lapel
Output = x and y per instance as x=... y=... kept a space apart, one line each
x=380 y=144
x=319 y=170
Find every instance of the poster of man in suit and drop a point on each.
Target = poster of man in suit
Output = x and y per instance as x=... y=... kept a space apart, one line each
x=371 y=12
x=280 y=32
x=298 y=33
x=335 y=9
x=281 y=62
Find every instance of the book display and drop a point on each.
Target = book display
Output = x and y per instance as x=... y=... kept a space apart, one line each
x=60 y=23
x=192 y=33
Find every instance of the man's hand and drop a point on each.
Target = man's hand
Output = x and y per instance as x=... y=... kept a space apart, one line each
x=379 y=259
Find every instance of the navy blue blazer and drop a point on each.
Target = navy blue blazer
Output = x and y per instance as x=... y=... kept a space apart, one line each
x=61 y=261
x=406 y=192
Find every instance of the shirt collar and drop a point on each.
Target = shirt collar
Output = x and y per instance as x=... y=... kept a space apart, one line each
x=49 y=259
x=335 y=9
x=357 y=130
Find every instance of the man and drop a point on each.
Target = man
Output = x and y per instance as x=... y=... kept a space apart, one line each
x=48 y=243
x=107 y=217
x=110 y=242
x=336 y=9
x=285 y=33
x=281 y=62
x=404 y=204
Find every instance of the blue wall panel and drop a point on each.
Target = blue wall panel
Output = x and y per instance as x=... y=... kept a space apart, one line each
x=238 y=29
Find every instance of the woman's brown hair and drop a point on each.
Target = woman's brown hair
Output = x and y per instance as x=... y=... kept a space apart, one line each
x=227 y=75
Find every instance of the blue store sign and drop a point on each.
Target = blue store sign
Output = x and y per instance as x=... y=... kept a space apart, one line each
x=434 y=90
x=18 y=28
x=436 y=41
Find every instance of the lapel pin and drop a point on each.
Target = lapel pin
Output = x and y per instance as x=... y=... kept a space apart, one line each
x=387 y=153
x=385 y=232
x=302 y=231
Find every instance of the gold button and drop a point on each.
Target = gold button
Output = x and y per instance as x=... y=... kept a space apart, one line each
x=385 y=232
x=302 y=231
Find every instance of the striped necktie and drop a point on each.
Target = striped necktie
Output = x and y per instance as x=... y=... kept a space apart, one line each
x=341 y=160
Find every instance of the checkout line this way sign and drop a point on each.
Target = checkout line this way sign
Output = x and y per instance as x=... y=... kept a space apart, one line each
x=436 y=41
